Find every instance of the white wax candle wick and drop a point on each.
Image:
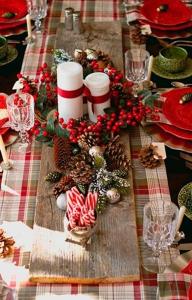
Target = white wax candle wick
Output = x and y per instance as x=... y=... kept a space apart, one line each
x=180 y=217
x=3 y=151
x=29 y=30
x=150 y=68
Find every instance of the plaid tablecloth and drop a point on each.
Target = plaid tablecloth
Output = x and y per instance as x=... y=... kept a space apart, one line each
x=23 y=178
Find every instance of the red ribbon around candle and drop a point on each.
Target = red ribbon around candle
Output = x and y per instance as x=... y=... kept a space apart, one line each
x=70 y=94
x=95 y=99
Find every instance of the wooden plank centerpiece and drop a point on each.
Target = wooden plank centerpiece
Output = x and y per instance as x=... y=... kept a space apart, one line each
x=112 y=255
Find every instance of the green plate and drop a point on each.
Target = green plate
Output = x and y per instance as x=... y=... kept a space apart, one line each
x=185 y=199
x=181 y=75
x=11 y=55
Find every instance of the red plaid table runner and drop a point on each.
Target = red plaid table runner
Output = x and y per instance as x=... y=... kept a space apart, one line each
x=23 y=178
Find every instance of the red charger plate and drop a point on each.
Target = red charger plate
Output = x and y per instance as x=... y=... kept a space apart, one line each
x=179 y=115
x=168 y=139
x=176 y=13
x=12 y=25
x=169 y=28
x=180 y=133
x=19 y=8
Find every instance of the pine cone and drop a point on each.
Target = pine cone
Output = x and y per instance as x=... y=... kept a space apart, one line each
x=137 y=37
x=62 y=152
x=149 y=157
x=65 y=184
x=87 y=140
x=82 y=173
x=6 y=244
x=115 y=156
x=83 y=156
x=53 y=176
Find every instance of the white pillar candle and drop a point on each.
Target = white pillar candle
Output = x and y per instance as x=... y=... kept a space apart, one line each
x=29 y=29
x=3 y=151
x=98 y=84
x=150 y=68
x=70 y=78
x=180 y=217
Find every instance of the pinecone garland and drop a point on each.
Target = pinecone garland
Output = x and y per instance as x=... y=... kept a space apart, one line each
x=87 y=140
x=82 y=173
x=115 y=156
x=62 y=152
x=136 y=36
x=149 y=157
x=65 y=184
x=53 y=176
x=6 y=244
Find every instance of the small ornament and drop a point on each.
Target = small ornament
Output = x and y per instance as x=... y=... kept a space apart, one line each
x=113 y=195
x=149 y=157
x=76 y=150
x=62 y=201
x=186 y=98
x=96 y=150
x=91 y=54
x=53 y=176
x=163 y=8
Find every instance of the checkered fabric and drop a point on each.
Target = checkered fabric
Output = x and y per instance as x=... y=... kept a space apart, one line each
x=23 y=178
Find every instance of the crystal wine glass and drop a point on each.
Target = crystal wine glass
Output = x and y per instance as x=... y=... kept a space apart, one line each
x=37 y=10
x=20 y=109
x=159 y=229
x=136 y=66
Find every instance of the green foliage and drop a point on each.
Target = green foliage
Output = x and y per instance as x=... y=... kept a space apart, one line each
x=148 y=98
x=82 y=188
x=61 y=132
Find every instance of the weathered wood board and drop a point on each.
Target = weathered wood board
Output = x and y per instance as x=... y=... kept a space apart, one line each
x=104 y=36
x=113 y=255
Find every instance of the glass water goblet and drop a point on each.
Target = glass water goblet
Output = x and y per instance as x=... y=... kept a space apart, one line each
x=136 y=66
x=20 y=109
x=159 y=229
x=37 y=10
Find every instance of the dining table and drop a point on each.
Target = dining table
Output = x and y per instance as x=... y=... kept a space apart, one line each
x=163 y=182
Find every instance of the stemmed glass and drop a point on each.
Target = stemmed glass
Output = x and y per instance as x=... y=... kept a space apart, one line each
x=37 y=10
x=20 y=109
x=136 y=66
x=159 y=229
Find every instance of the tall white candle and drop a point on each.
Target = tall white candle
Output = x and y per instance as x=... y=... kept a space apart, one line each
x=29 y=29
x=70 y=78
x=150 y=68
x=3 y=151
x=180 y=217
x=98 y=84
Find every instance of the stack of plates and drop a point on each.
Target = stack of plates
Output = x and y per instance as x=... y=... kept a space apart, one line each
x=174 y=22
x=12 y=17
x=178 y=133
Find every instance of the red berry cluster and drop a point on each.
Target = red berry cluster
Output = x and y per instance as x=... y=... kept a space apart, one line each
x=48 y=84
x=29 y=85
x=39 y=129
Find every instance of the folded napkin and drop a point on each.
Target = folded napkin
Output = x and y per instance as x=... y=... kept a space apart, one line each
x=175 y=282
x=3 y=113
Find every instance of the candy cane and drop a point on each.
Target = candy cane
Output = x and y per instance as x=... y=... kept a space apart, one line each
x=72 y=221
x=91 y=216
x=80 y=200
x=70 y=202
